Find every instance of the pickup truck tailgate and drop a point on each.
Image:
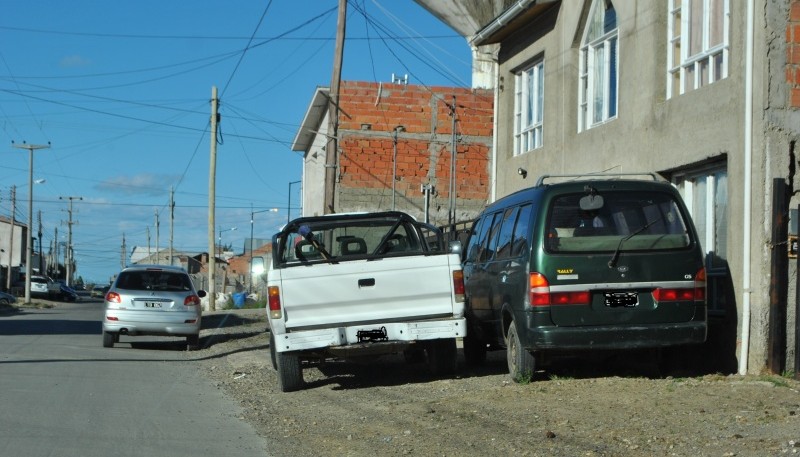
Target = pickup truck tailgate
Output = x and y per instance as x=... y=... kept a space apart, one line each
x=362 y=291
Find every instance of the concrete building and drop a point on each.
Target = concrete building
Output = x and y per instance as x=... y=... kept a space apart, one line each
x=704 y=92
x=12 y=250
x=395 y=150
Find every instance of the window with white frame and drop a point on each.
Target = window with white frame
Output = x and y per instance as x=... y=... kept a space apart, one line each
x=697 y=52
x=598 y=66
x=528 y=108
x=705 y=193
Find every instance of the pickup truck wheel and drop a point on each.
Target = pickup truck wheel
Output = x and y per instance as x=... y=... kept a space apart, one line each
x=442 y=356
x=290 y=374
x=272 y=354
x=109 y=339
x=474 y=351
x=521 y=363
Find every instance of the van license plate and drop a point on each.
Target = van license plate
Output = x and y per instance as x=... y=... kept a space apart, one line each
x=626 y=299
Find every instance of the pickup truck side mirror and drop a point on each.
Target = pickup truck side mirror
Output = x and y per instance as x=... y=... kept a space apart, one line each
x=454 y=247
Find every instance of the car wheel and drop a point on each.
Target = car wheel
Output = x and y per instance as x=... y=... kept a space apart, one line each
x=109 y=339
x=272 y=353
x=442 y=356
x=474 y=350
x=290 y=373
x=192 y=342
x=521 y=363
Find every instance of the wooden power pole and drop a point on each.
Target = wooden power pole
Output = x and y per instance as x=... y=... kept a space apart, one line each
x=332 y=148
x=212 y=185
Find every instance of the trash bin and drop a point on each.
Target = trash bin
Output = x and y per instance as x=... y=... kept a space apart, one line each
x=239 y=299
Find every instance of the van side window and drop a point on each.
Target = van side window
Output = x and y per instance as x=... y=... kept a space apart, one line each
x=520 y=242
x=489 y=240
x=473 y=247
x=505 y=237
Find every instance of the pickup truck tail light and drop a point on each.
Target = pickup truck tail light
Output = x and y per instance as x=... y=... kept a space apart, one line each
x=458 y=285
x=274 y=302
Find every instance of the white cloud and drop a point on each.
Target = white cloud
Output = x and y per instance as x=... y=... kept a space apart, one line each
x=74 y=61
x=142 y=184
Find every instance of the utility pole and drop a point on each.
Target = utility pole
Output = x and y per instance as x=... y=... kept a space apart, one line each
x=171 y=221
x=158 y=232
x=11 y=244
x=212 y=217
x=332 y=149
x=41 y=259
x=69 y=252
x=57 y=254
x=28 y=241
x=123 y=253
x=451 y=217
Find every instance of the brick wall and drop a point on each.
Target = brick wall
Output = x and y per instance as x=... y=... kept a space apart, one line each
x=793 y=54
x=369 y=114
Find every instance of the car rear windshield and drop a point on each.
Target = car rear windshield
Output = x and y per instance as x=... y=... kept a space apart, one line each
x=154 y=280
x=336 y=240
x=628 y=221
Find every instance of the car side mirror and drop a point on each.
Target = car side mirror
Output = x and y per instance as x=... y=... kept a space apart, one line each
x=454 y=247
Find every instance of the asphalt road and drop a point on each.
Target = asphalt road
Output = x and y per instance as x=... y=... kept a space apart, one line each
x=63 y=394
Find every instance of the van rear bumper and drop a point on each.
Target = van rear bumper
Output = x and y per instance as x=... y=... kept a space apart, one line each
x=614 y=337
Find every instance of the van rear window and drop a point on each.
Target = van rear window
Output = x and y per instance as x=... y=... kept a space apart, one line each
x=639 y=221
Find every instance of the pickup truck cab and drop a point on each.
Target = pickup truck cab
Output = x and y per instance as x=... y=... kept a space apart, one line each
x=366 y=284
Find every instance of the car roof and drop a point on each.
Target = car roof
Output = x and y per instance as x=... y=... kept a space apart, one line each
x=172 y=268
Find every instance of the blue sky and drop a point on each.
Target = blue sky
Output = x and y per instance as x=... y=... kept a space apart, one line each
x=121 y=91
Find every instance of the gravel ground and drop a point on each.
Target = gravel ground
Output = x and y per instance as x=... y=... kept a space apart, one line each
x=613 y=407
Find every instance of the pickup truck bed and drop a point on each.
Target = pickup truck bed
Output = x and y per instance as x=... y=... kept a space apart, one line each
x=366 y=284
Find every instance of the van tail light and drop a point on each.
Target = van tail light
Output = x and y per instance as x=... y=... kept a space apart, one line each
x=274 y=302
x=113 y=297
x=191 y=300
x=696 y=293
x=458 y=285
x=540 y=294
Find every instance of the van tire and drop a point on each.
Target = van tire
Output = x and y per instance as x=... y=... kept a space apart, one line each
x=108 y=340
x=474 y=351
x=521 y=363
x=442 y=356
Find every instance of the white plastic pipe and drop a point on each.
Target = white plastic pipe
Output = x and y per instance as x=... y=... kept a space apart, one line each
x=748 y=154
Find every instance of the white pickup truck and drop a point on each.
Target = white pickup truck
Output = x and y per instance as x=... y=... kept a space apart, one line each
x=348 y=285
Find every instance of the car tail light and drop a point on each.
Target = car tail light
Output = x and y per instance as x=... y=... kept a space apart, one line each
x=696 y=293
x=191 y=300
x=274 y=302
x=540 y=294
x=113 y=297
x=458 y=285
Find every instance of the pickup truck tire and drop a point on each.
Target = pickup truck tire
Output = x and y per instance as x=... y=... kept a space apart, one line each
x=521 y=363
x=287 y=365
x=474 y=351
x=442 y=356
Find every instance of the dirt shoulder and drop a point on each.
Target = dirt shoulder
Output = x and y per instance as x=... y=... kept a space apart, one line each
x=578 y=408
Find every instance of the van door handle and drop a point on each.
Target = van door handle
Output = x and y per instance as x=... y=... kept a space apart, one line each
x=368 y=282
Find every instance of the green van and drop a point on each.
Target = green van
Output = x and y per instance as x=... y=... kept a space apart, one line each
x=604 y=262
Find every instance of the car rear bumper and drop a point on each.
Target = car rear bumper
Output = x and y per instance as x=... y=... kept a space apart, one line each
x=346 y=336
x=151 y=323
x=615 y=337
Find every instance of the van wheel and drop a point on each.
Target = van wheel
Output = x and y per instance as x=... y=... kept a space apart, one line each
x=521 y=363
x=474 y=351
x=109 y=339
x=442 y=356
x=272 y=354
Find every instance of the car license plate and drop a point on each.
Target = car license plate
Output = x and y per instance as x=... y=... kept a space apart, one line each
x=626 y=299
x=152 y=304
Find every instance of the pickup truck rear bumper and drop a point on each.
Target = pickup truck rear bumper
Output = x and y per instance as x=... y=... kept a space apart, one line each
x=365 y=333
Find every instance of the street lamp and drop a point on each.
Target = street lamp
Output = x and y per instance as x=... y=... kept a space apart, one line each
x=289 y=205
x=252 y=214
x=29 y=241
x=220 y=238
